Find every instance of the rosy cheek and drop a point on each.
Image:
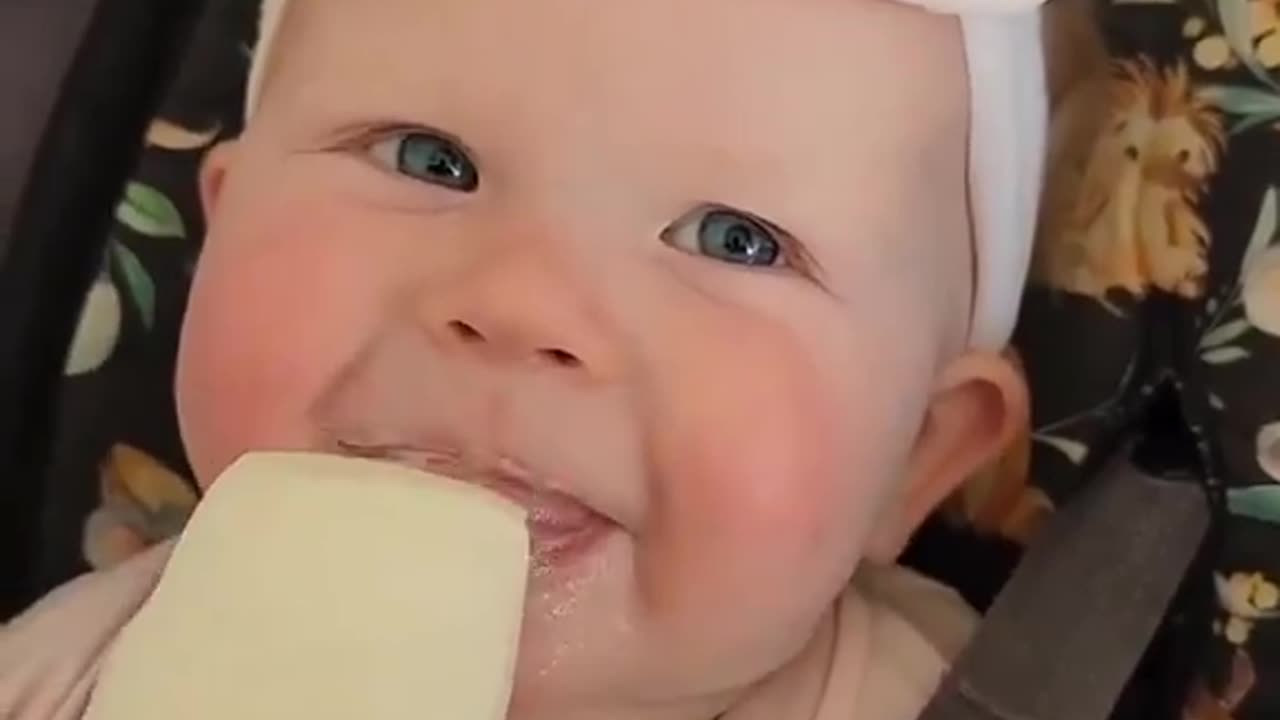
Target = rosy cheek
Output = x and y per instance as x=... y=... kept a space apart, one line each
x=279 y=305
x=752 y=490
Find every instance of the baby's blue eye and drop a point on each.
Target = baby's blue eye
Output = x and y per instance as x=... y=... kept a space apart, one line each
x=428 y=158
x=730 y=237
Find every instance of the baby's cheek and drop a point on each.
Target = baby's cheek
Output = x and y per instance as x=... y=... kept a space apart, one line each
x=276 y=310
x=761 y=476
x=760 y=513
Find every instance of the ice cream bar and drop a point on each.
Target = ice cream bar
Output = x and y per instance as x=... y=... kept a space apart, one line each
x=316 y=587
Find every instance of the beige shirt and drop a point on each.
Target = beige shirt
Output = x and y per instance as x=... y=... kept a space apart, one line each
x=894 y=634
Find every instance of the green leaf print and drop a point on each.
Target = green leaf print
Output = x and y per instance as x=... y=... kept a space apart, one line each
x=1224 y=355
x=147 y=211
x=1264 y=232
x=142 y=289
x=1225 y=333
x=1252 y=106
x=1260 y=502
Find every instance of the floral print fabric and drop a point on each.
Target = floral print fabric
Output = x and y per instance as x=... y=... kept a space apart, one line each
x=1157 y=275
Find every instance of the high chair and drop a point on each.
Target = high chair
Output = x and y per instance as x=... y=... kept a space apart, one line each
x=1142 y=492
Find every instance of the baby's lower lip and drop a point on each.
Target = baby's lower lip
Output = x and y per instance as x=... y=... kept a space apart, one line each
x=553 y=547
x=561 y=528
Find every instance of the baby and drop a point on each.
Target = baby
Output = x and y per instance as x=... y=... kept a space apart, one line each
x=724 y=283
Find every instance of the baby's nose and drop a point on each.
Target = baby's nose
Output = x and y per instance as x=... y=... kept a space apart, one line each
x=520 y=311
x=497 y=341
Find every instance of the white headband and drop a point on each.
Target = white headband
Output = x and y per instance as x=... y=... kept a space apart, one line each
x=1007 y=128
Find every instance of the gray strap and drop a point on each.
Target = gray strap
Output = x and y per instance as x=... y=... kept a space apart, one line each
x=1065 y=635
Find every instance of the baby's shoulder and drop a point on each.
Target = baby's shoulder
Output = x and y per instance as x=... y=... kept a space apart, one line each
x=49 y=655
x=935 y=612
x=897 y=633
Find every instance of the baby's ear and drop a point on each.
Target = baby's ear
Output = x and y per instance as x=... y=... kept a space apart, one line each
x=213 y=171
x=977 y=409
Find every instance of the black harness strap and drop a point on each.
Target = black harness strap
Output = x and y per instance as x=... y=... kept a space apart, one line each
x=78 y=86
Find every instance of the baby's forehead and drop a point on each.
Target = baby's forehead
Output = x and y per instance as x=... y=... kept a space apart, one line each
x=734 y=50
x=661 y=24
x=744 y=75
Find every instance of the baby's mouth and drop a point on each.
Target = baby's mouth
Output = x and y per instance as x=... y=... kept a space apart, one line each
x=562 y=529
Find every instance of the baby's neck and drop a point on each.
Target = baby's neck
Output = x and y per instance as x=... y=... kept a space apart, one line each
x=793 y=692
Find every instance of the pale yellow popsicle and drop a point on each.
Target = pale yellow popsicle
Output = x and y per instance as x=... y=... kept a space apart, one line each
x=319 y=587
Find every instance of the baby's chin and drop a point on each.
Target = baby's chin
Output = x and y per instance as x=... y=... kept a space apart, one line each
x=592 y=647
x=577 y=638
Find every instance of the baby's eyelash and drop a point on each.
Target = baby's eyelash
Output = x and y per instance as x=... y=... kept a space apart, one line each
x=362 y=135
x=797 y=256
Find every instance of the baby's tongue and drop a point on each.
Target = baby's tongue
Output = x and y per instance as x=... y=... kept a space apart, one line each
x=317 y=587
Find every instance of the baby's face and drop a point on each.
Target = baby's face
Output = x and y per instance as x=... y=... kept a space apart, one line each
x=681 y=276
